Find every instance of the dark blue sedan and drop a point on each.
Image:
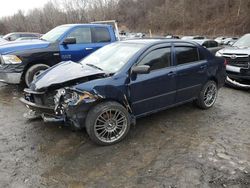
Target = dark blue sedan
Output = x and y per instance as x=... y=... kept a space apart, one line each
x=108 y=90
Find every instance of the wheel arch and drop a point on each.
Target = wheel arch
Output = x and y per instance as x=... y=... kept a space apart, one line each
x=32 y=63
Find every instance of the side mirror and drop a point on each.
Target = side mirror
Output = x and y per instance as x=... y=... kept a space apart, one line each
x=69 y=40
x=141 y=69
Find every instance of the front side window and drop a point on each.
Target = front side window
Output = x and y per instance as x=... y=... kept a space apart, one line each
x=101 y=35
x=186 y=55
x=82 y=35
x=157 y=59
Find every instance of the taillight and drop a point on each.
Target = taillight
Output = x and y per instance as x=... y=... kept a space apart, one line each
x=225 y=62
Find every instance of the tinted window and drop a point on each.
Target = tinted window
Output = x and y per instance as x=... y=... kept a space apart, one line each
x=101 y=35
x=157 y=59
x=213 y=44
x=82 y=35
x=28 y=35
x=210 y=44
x=186 y=55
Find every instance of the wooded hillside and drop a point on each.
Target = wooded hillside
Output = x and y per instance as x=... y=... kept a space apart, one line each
x=183 y=17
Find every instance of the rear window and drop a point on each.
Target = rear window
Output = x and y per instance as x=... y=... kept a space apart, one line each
x=186 y=55
x=210 y=44
x=101 y=34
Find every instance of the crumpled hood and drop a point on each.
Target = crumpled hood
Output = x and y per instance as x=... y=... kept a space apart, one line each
x=61 y=73
x=12 y=47
x=236 y=50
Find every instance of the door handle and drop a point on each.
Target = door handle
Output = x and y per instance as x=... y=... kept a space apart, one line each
x=88 y=48
x=171 y=74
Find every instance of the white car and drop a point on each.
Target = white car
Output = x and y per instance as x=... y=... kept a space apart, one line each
x=220 y=40
x=237 y=58
x=2 y=41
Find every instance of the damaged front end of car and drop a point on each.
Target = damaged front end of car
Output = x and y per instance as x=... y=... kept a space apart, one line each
x=67 y=105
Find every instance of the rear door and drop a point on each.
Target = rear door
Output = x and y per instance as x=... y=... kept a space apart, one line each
x=156 y=90
x=88 y=40
x=191 y=68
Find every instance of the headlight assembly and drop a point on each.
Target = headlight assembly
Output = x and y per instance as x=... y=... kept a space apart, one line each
x=72 y=97
x=11 y=59
x=218 y=54
x=78 y=97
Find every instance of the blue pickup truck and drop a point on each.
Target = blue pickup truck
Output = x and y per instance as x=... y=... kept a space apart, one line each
x=24 y=61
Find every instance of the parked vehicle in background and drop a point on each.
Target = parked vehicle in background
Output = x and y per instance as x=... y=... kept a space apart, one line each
x=210 y=44
x=220 y=40
x=193 y=37
x=172 y=37
x=238 y=62
x=2 y=41
x=15 y=36
x=108 y=90
x=27 y=38
x=230 y=41
x=24 y=61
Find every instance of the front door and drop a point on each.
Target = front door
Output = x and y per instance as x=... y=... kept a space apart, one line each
x=81 y=49
x=88 y=40
x=156 y=90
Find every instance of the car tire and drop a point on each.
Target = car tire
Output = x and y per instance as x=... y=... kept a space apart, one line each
x=34 y=71
x=107 y=123
x=207 y=95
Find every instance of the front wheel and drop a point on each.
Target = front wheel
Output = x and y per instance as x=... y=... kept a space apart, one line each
x=32 y=73
x=107 y=123
x=207 y=95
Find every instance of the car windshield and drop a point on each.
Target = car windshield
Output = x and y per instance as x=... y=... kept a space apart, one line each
x=55 y=34
x=113 y=57
x=243 y=41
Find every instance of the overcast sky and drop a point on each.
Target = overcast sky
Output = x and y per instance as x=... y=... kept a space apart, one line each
x=9 y=7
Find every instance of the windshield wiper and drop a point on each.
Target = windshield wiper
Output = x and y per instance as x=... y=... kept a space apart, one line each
x=91 y=65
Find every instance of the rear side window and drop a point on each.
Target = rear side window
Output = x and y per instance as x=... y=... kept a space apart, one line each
x=157 y=59
x=186 y=55
x=101 y=34
x=82 y=35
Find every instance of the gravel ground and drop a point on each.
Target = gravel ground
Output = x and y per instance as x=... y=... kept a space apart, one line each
x=180 y=147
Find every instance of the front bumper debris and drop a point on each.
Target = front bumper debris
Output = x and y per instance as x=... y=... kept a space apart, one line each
x=37 y=108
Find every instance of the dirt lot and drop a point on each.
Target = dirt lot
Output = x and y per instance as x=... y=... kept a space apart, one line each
x=181 y=147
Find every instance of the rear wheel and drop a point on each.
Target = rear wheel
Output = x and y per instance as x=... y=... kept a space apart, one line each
x=32 y=73
x=107 y=123
x=207 y=95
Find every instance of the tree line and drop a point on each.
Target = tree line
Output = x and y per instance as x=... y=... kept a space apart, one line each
x=181 y=17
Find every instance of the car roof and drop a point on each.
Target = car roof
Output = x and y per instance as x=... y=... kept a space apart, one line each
x=157 y=41
x=87 y=24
